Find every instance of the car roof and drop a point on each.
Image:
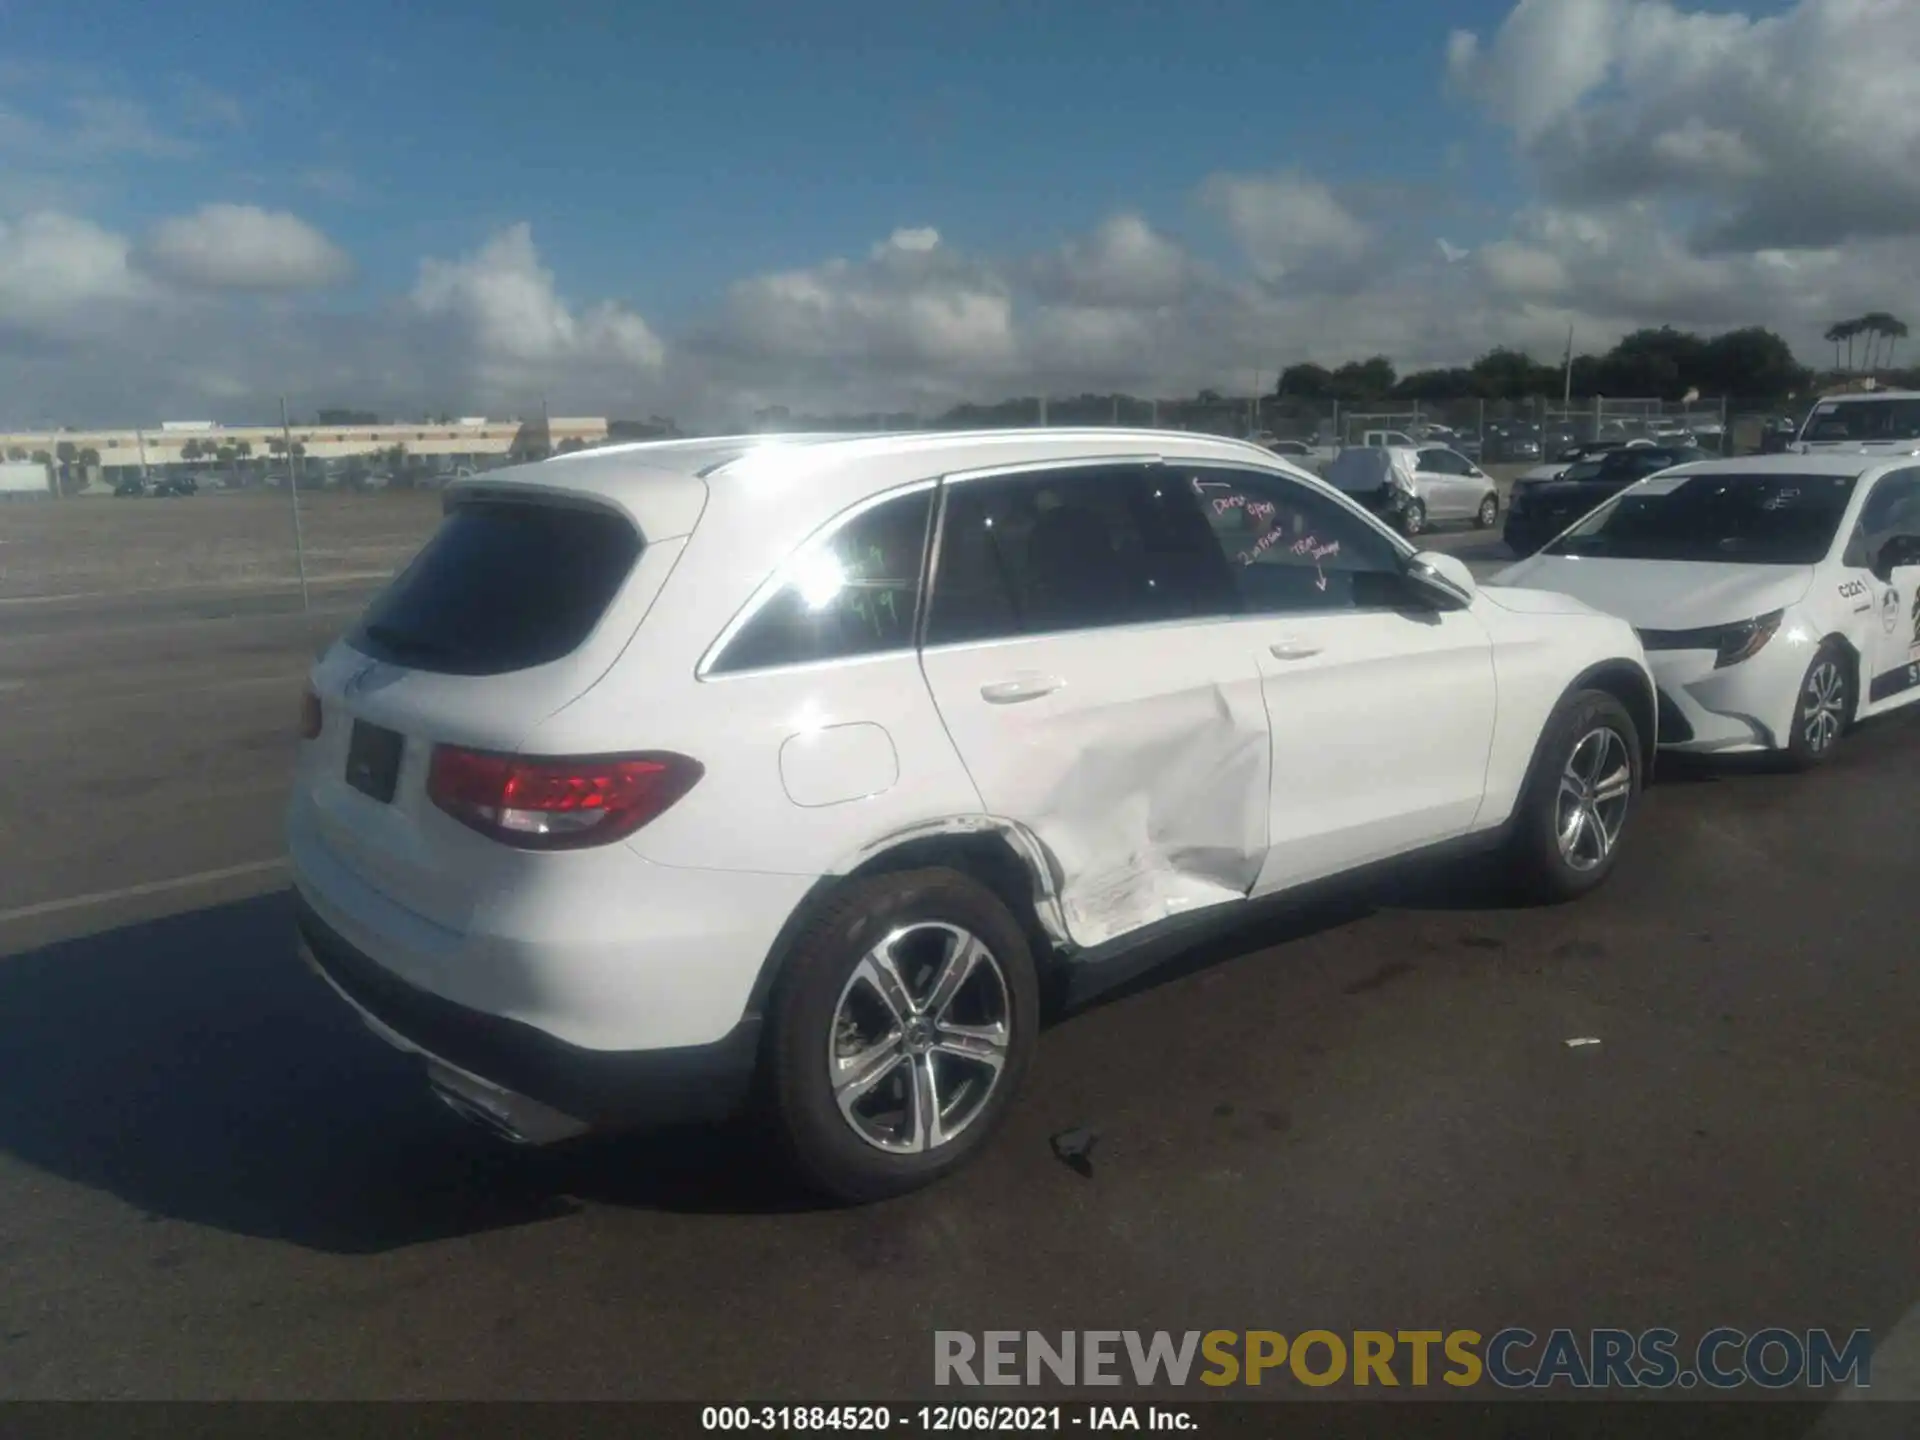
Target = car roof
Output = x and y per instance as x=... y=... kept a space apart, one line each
x=1846 y=463
x=1855 y=397
x=806 y=479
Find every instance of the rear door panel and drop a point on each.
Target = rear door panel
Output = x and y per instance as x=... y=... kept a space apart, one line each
x=1142 y=768
x=1081 y=655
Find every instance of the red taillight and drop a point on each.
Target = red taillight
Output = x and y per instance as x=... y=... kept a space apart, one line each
x=543 y=803
x=309 y=716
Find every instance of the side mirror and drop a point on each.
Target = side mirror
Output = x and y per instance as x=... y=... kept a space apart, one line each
x=1896 y=551
x=1441 y=581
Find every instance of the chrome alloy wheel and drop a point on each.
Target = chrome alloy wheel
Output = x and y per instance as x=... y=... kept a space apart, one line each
x=919 y=1038
x=1825 y=702
x=1595 y=789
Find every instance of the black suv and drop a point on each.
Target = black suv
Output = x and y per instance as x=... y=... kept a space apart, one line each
x=1538 y=510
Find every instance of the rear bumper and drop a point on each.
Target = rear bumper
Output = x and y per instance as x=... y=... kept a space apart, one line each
x=527 y=1083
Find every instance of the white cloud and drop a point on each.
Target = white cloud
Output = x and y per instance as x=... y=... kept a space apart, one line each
x=511 y=335
x=912 y=302
x=1794 y=130
x=916 y=238
x=242 y=247
x=91 y=129
x=1285 y=222
x=1514 y=268
x=57 y=272
x=1125 y=262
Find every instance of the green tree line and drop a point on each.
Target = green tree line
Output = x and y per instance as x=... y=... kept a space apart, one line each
x=1664 y=364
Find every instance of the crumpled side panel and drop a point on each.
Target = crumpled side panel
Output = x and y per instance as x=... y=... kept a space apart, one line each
x=1158 y=811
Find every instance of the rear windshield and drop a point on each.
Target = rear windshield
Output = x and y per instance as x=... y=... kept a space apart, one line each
x=501 y=586
x=1863 y=421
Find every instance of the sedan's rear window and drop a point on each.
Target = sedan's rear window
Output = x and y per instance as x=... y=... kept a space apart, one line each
x=501 y=586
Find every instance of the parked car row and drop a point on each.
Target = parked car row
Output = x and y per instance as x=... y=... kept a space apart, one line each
x=160 y=486
x=676 y=777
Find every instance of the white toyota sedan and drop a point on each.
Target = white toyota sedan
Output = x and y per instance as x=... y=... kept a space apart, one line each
x=673 y=774
x=1778 y=596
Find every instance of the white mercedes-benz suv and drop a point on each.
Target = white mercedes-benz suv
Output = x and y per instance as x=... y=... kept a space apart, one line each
x=676 y=775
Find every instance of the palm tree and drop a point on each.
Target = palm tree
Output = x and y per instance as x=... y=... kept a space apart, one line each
x=1896 y=332
x=1869 y=324
x=1836 y=332
x=1881 y=326
x=1865 y=327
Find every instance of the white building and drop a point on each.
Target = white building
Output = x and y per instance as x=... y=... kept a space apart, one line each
x=199 y=442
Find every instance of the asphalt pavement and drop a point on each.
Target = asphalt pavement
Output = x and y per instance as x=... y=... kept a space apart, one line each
x=1361 y=1113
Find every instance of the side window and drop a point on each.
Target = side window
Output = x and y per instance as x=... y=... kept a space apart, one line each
x=1290 y=549
x=1892 y=508
x=1072 y=549
x=1441 y=462
x=855 y=593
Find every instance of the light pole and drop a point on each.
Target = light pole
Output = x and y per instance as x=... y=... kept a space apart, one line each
x=293 y=499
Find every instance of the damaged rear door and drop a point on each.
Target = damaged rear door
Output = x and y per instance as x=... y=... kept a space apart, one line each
x=1080 y=648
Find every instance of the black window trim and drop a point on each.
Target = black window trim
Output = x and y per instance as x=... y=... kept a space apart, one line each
x=778 y=579
x=1042 y=467
x=942 y=486
x=1235 y=465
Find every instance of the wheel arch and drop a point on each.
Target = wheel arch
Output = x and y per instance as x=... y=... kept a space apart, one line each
x=1634 y=688
x=1001 y=854
x=1862 y=680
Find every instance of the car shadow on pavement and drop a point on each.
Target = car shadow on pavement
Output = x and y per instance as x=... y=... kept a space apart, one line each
x=193 y=1068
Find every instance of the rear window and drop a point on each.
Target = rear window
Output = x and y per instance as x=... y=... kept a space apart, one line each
x=501 y=586
x=856 y=592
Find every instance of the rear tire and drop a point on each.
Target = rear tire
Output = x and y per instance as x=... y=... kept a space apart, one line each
x=880 y=1081
x=1823 y=710
x=1579 y=799
x=1413 y=519
x=1488 y=513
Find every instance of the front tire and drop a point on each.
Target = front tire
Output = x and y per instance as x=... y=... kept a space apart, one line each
x=1488 y=513
x=901 y=1027
x=1413 y=518
x=1824 y=709
x=1580 y=796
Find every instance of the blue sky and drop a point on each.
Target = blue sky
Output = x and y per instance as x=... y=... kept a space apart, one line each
x=662 y=150
x=706 y=209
